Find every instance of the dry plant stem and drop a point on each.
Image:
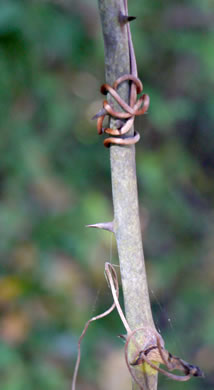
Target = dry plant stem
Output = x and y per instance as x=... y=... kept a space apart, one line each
x=124 y=184
x=112 y=278
x=114 y=289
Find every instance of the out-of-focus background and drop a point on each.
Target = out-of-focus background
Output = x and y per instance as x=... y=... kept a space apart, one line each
x=55 y=179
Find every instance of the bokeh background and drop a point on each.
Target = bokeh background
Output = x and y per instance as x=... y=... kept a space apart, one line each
x=55 y=179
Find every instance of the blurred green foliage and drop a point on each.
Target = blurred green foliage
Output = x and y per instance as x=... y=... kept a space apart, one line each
x=55 y=178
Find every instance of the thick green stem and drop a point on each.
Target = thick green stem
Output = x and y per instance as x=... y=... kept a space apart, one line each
x=124 y=187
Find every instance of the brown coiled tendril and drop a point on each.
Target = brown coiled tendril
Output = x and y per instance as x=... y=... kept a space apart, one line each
x=134 y=108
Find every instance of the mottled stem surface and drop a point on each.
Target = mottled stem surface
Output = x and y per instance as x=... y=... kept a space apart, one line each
x=124 y=187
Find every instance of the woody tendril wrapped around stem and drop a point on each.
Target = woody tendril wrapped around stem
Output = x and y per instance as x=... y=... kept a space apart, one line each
x=135 y=108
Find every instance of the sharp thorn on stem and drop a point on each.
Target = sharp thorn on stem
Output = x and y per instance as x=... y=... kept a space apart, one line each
x=122 y=336
x=109 y=226
x=123 y=19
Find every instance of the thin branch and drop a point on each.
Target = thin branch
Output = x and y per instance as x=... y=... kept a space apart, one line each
x=112 y=276
x=114 y=287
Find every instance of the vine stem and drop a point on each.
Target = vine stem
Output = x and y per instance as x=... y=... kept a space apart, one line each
x=127 y=228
